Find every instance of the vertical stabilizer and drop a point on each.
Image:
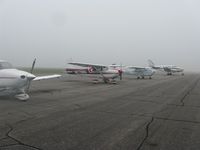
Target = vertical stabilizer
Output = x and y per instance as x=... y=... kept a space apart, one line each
x=151 y=64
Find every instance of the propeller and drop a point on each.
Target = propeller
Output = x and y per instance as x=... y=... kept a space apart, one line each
x=33 y=65
x=30 y=77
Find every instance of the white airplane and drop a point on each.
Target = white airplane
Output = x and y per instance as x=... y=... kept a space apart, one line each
x=95 y=71
x=16 y=83
x=169 y=69
x=139 y=72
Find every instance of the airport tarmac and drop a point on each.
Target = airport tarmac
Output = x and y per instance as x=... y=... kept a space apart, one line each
x=75 y=114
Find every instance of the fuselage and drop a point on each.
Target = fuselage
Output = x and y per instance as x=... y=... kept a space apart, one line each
x=92 y=71
x=169 y=68
x=13 y=81
x=142 y=72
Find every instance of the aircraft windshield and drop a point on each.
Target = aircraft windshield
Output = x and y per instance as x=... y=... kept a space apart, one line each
x=5 y=65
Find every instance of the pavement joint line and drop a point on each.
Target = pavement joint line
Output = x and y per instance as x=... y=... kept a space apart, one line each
x=4 y=138
x=8 y=145
x=178 y=105
x=18 y=142
x=121 y=114
x=177 y=120
x=149 y=116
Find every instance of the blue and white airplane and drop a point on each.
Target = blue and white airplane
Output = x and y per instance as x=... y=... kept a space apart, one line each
x=169 y=69
x=139 y=72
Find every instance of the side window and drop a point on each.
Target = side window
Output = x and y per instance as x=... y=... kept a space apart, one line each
x=1 y=66
x=5 y=65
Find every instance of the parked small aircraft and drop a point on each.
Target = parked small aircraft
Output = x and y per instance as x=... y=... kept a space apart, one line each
x=139 y=72
x=16 y=83
x=169 y=69
x=107 y=74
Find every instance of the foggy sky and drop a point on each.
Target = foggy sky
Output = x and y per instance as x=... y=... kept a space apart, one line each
x=100 y=31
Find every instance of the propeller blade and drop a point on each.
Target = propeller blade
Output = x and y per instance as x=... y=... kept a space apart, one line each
x=33 y=65
x=28 y=85
x=30 y=77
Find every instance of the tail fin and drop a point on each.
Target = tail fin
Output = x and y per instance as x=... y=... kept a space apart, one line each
x=151 y=64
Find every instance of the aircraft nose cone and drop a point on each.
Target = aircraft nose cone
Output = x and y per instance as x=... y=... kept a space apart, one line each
x=31 y=76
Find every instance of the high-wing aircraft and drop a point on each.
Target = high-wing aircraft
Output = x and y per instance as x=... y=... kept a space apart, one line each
x=169 y=69
x=95 y=71
x=16 y=83
x=139 y=72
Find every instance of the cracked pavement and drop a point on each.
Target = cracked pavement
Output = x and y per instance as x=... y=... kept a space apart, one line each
x=74 y=114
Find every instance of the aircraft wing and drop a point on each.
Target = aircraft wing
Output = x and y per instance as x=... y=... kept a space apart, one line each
x=136 y=68
x=47 y=77
x=96 y=66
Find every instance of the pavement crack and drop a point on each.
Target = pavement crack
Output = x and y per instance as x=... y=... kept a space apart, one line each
x=147 y=134
x=18 y=142
x=77 y=106
x=188 y=92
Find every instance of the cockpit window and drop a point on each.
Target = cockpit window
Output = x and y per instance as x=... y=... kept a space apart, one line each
x=5 y=65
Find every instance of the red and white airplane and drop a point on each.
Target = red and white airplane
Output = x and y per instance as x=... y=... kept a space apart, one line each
x=96 y=72
x=15 y=82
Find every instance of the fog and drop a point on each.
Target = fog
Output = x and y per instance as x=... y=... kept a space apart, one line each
x=101 y=32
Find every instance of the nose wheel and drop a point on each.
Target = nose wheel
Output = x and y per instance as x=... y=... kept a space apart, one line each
x=22 y=97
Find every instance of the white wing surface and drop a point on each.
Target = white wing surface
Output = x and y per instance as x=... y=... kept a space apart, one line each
x=47 y=77
x=88 y=65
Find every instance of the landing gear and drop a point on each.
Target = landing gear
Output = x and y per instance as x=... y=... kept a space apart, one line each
x=110 y=81
x=106 y=80
x=169 y=73
x=113 y=82
x=22 y=97
x=95 y=81
x=143 y=77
